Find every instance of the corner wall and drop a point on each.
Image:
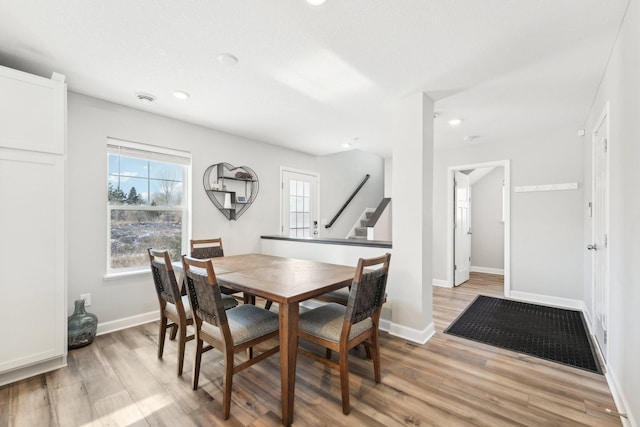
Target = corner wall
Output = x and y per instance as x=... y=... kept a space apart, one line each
x=621 y=88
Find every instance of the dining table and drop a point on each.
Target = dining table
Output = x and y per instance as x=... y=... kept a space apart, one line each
x=287 y=282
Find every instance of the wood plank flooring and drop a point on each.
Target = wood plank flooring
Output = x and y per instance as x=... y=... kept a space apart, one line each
x=119 y=381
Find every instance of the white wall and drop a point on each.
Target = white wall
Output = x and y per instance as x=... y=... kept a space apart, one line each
x=91 y=121
x=487 y=240
x=340 y=174
x=621 y=88
x=546 y=227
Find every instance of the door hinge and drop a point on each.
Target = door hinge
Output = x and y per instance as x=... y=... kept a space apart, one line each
x=605 y=336
x=455 y=267
x=469 y=259
x=606 y=145
x=606 y=241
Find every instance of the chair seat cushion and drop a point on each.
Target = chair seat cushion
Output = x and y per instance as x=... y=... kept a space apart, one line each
x=246 y=322
x=171 y=308
x=326 y=322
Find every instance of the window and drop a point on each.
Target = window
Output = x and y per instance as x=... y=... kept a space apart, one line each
x=147 y=200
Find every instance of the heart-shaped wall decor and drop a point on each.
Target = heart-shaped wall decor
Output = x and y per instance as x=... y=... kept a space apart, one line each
x=231 y=189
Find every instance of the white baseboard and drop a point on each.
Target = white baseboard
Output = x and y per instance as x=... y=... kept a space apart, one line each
x=127 y=322
x=441 y=283
x=489 y=270
x=33 y=370
x=573 y=304
x=409 y=334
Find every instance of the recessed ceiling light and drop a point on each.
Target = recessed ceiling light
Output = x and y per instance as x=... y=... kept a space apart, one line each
x=455 y=122
x=470 y=138
x=315 y=2
x=346 y=145
x=228 y=59
x=181 y=94
x=145 y=98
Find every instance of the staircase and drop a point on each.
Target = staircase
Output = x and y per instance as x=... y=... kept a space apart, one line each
x=359 y=231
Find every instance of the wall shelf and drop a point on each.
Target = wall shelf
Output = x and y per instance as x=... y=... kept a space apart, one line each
x=225 y=184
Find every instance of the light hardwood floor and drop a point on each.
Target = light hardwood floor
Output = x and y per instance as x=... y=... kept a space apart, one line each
x=449 y=381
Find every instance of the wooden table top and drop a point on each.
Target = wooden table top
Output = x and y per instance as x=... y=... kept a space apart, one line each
x=283 y=280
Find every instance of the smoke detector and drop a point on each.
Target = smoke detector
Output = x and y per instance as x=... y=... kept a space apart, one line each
x=145 y=98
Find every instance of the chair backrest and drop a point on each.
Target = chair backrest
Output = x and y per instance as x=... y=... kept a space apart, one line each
x=368 y=289
x=206 y=248
x=164 y=278
x=204 y=292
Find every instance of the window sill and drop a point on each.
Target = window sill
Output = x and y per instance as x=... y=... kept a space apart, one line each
x=126 y=274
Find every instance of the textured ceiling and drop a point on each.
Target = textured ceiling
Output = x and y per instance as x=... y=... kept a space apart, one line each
x=314 y=77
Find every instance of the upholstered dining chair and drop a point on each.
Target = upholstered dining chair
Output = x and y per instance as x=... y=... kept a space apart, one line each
x=340 y=328
x=230 y=331
x=175 y=310
x=212 y=248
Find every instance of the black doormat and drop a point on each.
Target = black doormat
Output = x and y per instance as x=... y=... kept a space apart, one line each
x=546 y=332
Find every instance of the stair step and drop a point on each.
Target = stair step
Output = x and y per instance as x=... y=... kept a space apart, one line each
x=368 y=214
x=358 y=237
x=364 y=222
x=361 y=231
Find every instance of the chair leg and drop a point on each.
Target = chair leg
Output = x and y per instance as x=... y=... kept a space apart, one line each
x=344 y=381
x=161 y=336
x=228 y=381
x=268 y=304
x=196 y=363
x=174 y=330
x=250 y=353
x=182 y=338
x=327 y=353
x=367 y=350
x=375 y=350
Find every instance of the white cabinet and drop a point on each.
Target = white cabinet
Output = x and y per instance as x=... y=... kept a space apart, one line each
x=32 y=225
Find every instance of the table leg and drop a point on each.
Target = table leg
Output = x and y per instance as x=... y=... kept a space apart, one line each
x=288 y=352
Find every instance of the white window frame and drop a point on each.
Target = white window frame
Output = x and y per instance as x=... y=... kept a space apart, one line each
x=151 y=152
x=316 y=202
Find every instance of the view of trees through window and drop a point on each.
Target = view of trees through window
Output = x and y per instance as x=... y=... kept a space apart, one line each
x=146 y=209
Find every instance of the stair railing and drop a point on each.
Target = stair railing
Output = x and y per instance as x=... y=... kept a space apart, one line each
x=347 y=202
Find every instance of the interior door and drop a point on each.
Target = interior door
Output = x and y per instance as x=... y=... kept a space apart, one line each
x=462 y=229
x=299 y=204
x=600 y=232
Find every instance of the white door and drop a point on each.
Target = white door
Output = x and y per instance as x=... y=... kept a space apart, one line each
x=462 y=229
x=299 y=204
x=600 y=232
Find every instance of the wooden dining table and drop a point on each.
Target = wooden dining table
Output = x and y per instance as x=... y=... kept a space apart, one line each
x=287 y=282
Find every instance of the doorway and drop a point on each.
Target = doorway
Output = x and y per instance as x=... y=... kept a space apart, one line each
x=300 y=204
x=453 y=212
x=600 y=230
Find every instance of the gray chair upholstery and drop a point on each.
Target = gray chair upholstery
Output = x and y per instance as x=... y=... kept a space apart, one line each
x=340 y=327
x=230 y=331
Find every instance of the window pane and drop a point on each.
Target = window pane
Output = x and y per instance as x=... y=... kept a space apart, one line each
x=131 y=166
x=292 y=187
x=114 y=166
x=299 y=204
x=168 y=171
x=299 y=219
x=165 y=193
x=133 y=231
x=307 y=220
x=300 y=189
x=307 y=189
x=292 y=204
x=307 y=207
x=292 y=220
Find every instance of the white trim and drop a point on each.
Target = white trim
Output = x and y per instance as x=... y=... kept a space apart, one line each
x=128 y=322
x=407 y=333
x=616 y=392
x=488 y=270
x=441 y=283
x=506 y=164
x=573 y=304
x=32 y=370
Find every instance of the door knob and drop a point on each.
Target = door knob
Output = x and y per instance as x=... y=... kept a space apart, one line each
x=592 y=247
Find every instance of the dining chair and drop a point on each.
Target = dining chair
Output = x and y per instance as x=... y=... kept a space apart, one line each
x=340 y=328
x=174 y=307
x=230 y=331
x=212 y=248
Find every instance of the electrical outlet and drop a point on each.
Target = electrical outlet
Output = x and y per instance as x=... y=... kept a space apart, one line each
x=87 y=299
